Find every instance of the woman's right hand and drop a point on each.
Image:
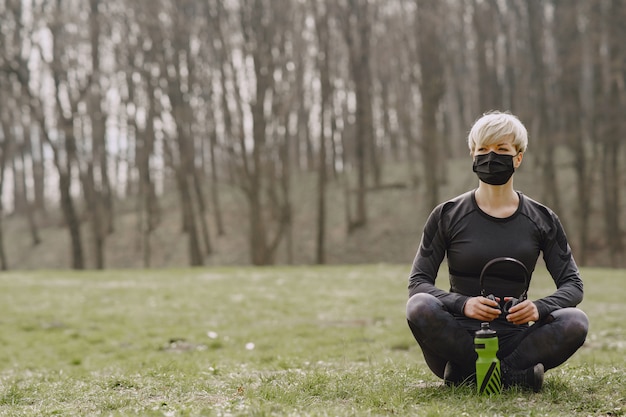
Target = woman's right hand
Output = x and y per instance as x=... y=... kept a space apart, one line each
x=481 y=308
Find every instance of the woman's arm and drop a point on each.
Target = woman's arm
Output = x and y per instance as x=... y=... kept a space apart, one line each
x=430 y=254
x=559 y=260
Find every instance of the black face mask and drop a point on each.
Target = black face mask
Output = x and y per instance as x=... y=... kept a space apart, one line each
x=494 y=168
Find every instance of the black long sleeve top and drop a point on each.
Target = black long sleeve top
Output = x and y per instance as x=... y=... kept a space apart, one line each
x=459 y=230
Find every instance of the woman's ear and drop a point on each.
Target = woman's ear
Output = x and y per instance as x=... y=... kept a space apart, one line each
x=517 y=159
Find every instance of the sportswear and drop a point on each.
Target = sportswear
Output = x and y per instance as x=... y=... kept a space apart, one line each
x=459 y=230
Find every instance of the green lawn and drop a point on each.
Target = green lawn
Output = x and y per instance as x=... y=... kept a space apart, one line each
x=323 y=341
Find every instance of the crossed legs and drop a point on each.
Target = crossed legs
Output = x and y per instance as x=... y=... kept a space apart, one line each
x=443 y=338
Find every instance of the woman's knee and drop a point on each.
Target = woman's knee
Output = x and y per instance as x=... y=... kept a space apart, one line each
x=575 y=322
x=421 y=305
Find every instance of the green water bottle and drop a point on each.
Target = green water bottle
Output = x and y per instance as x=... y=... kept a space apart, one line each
x=488 y=376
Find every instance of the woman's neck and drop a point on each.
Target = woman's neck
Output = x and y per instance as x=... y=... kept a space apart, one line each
x=497 y=201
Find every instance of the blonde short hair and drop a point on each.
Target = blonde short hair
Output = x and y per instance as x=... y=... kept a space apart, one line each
x=495 y=125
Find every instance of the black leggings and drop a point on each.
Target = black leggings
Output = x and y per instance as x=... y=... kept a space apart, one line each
x=444 y=337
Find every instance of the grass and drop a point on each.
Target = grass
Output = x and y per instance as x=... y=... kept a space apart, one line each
x=279 y=341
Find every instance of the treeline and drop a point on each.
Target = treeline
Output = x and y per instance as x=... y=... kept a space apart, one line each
x=103 y=100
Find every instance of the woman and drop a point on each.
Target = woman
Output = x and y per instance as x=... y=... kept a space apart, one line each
x=494 y=221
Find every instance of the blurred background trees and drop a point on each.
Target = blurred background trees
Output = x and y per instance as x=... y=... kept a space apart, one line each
x=103 y=102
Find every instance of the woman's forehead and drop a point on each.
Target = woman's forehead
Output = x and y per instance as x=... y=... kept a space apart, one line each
x=497 y=140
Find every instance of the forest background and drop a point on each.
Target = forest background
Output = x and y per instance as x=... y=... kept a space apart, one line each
x=158 y=133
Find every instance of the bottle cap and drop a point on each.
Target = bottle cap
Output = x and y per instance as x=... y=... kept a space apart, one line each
x=485 y=331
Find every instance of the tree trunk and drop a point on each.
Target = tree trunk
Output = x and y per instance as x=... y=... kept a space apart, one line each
x=65 y=157
x=5 y=150
x=485 y=20
x=321 y=24
x=184 y=187
x=540 y=128
x=258 y=232
x=39 y=173
x=432 y=90
x=199 y=199
x=179 y=72
x=94 y=210
x=573 y=60
x=615 y=98
x=215 y=184
x=28 y=206
x=356 y=32
x=264 y=44
x=98 y=193
x=20 y=200
x=72 y=220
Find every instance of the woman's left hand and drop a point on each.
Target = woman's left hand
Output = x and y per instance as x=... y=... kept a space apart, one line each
x=522 y=313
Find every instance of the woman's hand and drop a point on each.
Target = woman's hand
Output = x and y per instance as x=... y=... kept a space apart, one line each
x=522 y=313
x=481 y=308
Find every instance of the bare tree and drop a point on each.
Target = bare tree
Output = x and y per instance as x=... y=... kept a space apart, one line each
x=432 y=89
x=17 y=150
x=408 y=88
x=613 y=129
x=355 y=21
x=177 y=67
x=95 y=177
x=572 y=54
x=197 y=98
x=64 y=144
x=541 y=128
x=140 y=61
x=255 y=171
x=323 y=33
